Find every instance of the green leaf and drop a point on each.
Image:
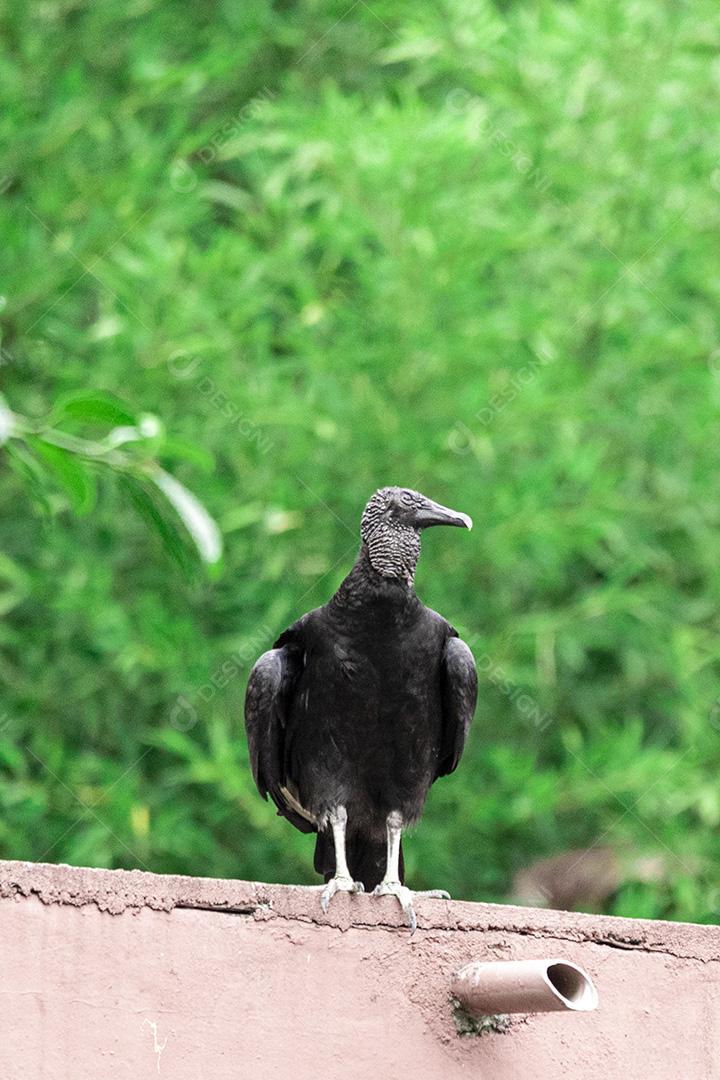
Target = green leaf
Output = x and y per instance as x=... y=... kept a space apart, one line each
x=18 y=581
x=175 y=742
x=13 y=573
x=11 y=756
x=27 y=467
x=7 y=421
x=72 y=474
x=202 y=528
x=98 y=408
x=147 y=507
x=176 y=449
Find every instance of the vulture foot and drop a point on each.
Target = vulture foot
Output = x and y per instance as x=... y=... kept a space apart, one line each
x=338 y=884
x=405 y=898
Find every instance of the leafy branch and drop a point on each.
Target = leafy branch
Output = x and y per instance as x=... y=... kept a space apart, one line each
x=50 y=453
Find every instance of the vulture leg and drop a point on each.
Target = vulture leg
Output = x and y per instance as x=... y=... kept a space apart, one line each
x=342 y=881
x=391 y=884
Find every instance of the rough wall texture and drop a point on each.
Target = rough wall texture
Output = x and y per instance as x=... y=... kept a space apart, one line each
x=132 y=975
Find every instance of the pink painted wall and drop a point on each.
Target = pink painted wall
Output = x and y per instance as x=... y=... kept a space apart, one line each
x=134 y=976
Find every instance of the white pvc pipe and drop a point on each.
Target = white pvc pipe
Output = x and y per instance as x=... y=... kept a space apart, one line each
x=524 y=986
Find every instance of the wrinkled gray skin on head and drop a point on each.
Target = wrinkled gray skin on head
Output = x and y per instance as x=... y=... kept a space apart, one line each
x=393 y=543
x=390 y=529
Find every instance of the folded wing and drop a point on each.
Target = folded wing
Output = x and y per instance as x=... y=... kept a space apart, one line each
x=268 y=699
x=459 y=695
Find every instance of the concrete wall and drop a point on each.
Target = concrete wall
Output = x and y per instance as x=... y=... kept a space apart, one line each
x=134 y=976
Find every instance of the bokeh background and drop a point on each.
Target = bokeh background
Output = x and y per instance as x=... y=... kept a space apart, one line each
x=291 y=252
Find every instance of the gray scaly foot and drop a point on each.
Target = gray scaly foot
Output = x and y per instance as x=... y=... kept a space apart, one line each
x=339 y=884
x=405 y=898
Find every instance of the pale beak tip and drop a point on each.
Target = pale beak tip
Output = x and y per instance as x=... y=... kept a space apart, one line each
x=467 y=521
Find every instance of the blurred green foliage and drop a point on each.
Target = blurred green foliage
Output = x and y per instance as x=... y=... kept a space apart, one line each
x=466 y=247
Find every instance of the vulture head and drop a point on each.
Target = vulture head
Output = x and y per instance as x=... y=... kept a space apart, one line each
x=391 y=524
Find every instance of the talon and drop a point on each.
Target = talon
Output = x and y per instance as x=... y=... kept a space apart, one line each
x=435 y=894
x=404 y=897
x=338 y=884
x=410 y=915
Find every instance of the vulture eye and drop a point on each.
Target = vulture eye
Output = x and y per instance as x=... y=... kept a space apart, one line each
x=406 y=498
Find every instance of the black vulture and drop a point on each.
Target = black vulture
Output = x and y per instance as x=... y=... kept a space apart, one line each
x=362 y=704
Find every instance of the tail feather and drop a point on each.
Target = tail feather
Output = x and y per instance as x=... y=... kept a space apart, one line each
x=324 y=861
x=366 y=858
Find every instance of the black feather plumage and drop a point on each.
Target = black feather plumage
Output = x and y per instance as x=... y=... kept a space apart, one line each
x=365 y=701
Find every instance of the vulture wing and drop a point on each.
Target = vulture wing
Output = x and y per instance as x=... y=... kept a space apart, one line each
x=268 y=698
x=459 y=695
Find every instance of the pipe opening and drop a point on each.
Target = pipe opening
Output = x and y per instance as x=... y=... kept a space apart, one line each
x=572 y=985
x=486 y=988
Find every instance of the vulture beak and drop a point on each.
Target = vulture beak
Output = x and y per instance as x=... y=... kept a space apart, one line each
x=432 y=513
